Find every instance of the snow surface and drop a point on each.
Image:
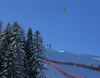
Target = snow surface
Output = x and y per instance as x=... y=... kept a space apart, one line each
x=52 y=72
x=64 y=56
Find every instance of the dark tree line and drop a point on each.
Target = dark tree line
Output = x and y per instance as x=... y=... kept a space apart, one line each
x=19 y=58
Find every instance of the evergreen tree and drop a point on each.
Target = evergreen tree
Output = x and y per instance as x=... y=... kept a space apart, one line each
x=24 y=53
x=29 y=50
x=5 y=52
x=17 y=48
x=38 y=54
x=20 y=58
x=0 y=44
x=1 y=24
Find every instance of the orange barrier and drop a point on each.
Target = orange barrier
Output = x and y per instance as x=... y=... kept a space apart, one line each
x=63 y=71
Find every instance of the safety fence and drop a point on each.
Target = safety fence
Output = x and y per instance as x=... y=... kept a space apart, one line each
x=65 y=63
x=78 y=65
x=89 y=67
x=63 y=71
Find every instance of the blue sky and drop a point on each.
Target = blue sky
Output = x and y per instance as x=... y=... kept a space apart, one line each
x=76 y=30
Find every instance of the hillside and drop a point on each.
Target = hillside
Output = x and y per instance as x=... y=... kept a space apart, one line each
x=64 y=56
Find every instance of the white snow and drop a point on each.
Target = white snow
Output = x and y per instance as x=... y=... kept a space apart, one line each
x=61 y=51
x=72 y=57
x=64 y=56
x=52 y=72
x=97 y=59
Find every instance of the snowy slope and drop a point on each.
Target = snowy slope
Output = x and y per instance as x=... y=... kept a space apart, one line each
x=88 y=73
x=53 y=72
x=64 y=56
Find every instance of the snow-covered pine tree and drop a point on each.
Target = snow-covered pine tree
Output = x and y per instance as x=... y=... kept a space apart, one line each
x=5 y=52
x=17 y=49
x=0 y=44
x=23 y=38
x=30 y=53
x=1 y=25
x=38 y=54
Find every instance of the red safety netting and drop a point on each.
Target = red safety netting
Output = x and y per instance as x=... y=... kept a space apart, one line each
x=63 y=71
x=74 y=64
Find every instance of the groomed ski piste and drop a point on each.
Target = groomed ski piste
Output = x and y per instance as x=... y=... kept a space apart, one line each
x=76 y=71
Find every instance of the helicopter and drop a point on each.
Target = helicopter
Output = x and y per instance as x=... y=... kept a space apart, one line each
x=64 y=10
